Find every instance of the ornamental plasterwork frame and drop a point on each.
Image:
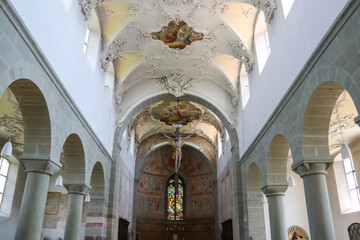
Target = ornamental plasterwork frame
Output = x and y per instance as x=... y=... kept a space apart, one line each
x=176 y=83
x=113 y=52
x=267 y=6
x=88 y=5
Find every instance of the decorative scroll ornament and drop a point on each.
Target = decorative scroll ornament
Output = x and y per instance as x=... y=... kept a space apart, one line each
x=88 y=5
x=113 y=52
x=267 y=6
x=242 y=54
x=176 y=83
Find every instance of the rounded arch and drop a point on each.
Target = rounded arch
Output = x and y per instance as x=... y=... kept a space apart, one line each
x=316 y=121
x=237 y=223
x=74 y=165
x=277 y=158
x=36 y=119
x=153 y=99
x=255 y=208
x=97 y=182
x=96 y=208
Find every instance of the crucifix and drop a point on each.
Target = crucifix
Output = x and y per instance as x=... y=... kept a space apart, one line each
x=178 y=141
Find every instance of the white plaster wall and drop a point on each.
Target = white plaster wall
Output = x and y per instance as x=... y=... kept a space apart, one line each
x=295 y=204
x=59 y=29
x=341 y=221
x=292 y=42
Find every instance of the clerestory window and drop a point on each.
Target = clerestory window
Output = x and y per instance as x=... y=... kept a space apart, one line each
x=352 y=182
x=4 y=169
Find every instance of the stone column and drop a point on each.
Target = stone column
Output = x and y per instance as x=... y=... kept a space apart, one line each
x=33 y=203
x=317 y=199
x=275 y=195
x=76 y=193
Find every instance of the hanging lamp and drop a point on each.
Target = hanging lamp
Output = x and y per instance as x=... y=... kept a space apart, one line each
x=263 y=198
x=59 y=181
x=7 y=150
x=87 y=197
x=291 y=182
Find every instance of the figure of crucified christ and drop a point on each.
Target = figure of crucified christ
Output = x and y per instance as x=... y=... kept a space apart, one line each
x=178 y=142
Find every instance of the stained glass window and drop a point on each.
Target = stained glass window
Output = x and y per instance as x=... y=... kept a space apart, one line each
x=175 y=205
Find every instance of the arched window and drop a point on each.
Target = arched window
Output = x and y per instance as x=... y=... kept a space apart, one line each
x=352 y=182
x=4 y=169
x=286 y=5
x=262 y=44
x=175 y=205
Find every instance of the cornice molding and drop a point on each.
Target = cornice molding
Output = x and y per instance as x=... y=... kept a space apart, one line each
x=9 y=11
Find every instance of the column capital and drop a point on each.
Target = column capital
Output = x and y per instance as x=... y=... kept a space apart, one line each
x=274 y=189
x=357 y=120
x=39 y=164
x=81 y=189
x=307 y=168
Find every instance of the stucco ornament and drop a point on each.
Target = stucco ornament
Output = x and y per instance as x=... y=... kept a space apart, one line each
x=267 y=6
x=88 y=5
x=112 y=53
x=242 y=54
x=176 y=83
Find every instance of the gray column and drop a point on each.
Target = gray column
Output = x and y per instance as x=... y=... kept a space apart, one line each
x=275 y=195
x=317 y=200
x=32 y=206
x=74 y=211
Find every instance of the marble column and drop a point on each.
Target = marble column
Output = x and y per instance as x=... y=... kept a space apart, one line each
x=317 y=199
x=76 y=193
x=31 y=216
x=275 y=195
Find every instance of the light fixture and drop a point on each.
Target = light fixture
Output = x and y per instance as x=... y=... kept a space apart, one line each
x=7 y=150
x=291 y=182
x=263 y=198
x=87 y=197
x=59 y=181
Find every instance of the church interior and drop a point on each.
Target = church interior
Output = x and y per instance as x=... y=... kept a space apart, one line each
x=179 y=119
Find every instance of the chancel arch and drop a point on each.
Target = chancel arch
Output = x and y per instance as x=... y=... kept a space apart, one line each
x=216 y=111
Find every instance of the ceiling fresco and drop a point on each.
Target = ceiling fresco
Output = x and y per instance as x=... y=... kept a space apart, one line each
x=177 y=35
x=179 y=45
x=164 y=116
x=176 y=112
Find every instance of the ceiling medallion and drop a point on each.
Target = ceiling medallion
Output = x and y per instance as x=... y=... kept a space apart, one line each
x=177 y=34
x=176 y=83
